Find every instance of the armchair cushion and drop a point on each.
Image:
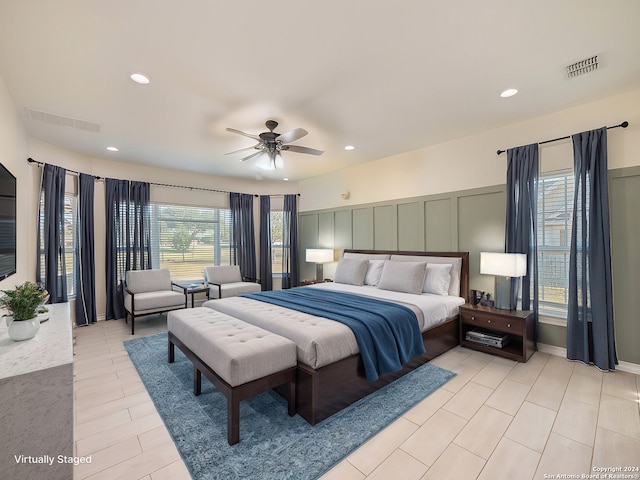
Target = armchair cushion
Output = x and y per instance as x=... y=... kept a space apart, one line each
x=223 y=274
x=140 y=281
x=233 y=289
x=149 y=302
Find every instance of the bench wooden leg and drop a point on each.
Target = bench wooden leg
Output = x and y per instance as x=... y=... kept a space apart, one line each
x=233 y=419
x=197 y=381
x=292 y=396
x=172 y=352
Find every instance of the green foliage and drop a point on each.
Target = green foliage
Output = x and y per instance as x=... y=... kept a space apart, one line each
x=182 y=241
x=23 y=302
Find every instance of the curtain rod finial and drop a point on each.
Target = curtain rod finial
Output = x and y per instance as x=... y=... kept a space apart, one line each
x=500 y=151
x=624 y=124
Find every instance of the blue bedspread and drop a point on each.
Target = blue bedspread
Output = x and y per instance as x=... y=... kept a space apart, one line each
x=388 y=334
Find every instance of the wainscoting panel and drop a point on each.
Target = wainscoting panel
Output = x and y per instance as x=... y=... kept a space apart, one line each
x=342 y=229
x=438 y=222
x=624 y=199
x=362 y=219
x=385 y=227
x=410 y=226
x=326 y=230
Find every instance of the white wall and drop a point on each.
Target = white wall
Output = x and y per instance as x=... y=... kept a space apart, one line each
x=13 y=154
x=471 y=162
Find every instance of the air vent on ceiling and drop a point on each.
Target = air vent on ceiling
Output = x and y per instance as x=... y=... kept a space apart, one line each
x=62 y=121
x=582 y=66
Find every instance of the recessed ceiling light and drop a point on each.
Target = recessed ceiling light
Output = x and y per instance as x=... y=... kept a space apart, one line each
x=349 y=147
x=140 y=78
x=112 y=149
x=285 y=179
x=510 y=92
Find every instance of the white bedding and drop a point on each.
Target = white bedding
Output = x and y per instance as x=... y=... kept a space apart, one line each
x=435 y=308
x=321 y=341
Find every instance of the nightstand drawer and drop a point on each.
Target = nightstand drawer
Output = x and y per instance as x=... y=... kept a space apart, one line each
x=493 y=322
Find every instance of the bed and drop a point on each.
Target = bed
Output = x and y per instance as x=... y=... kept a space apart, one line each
x=331 y=372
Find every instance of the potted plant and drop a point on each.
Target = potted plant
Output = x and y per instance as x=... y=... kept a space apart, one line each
x=22 y=305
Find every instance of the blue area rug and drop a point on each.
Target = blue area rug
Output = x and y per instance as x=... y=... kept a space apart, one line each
x=272 y=444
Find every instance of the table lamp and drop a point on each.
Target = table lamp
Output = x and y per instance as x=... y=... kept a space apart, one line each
x=319 y=256
x=504 y=266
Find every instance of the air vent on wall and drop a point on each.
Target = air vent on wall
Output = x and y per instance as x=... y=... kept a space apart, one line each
x=582 y=66
x=62 y=121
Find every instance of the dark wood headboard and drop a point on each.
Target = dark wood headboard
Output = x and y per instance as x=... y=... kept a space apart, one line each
x=464 y=272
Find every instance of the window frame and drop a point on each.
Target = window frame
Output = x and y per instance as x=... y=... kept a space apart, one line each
x=553 y=311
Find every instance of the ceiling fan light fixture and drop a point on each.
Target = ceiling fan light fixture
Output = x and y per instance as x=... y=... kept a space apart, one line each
x=509 y=92
x=140 y=78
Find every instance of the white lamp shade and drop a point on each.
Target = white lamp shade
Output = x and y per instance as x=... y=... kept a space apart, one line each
x=319 y=255
x=503 y=264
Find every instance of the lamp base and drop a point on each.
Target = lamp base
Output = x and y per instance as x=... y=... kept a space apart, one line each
x=503 y=293
x=319 y=272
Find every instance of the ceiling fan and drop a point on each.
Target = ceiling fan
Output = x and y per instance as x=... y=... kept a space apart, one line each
x=272 y=143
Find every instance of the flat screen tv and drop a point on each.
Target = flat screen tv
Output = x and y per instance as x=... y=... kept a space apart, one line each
x=7 y=223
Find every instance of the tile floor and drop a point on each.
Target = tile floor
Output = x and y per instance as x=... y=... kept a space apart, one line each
x=496 y=419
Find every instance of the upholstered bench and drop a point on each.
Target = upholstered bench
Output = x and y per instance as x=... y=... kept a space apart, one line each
x=239 y=359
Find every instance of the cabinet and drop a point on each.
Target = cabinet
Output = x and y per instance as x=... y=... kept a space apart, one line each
x=36 y=394
x=518 y=325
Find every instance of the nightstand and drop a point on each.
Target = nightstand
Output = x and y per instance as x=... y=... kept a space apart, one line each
x=488 y=326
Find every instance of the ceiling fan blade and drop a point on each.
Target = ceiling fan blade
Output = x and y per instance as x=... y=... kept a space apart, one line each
x=292 y=135
x=256 y=146
x=255 y=137
x=251 y=156
x=299 y=149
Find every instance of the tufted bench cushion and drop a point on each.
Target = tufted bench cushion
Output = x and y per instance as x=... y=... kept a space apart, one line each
x=235 y=350
x=241 y=360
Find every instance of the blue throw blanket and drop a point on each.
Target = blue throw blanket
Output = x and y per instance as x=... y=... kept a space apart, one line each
x=388 y=334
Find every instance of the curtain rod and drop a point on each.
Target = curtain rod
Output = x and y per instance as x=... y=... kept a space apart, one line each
x=624 y=124
x=31 y=160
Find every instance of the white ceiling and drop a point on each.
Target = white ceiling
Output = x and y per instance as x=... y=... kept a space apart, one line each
x=386 y=77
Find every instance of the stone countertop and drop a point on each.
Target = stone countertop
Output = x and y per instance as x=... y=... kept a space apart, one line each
x=52 y=346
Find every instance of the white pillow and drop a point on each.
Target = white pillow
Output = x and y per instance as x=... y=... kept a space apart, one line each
x=438 y=278
x=351 y=271
x=373 y=272
x=405 y=277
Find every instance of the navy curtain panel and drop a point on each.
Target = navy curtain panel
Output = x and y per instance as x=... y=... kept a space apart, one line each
x=266 y=275
x=85 y=253
x=590 y=332
x=51 y=239
x=128 y=242
x=521 y=228
x=290 y=238
x=244 y=243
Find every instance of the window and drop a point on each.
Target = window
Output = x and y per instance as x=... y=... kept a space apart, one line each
x=70 y=238
x=185 y=239
x=277 y=241
x=555 y=215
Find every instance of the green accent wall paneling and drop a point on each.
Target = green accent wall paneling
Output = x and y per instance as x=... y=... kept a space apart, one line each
x=325 y=230
x=362 y=227
x=624 y=205
x=342 y=230
x=385 y=227
x=438 y=225
x=308 y=235
x=481 y=221
x=410 y=226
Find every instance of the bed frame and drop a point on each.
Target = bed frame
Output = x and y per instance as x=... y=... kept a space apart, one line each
x=324 y=391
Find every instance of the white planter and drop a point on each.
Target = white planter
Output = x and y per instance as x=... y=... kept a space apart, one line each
x=23 y=329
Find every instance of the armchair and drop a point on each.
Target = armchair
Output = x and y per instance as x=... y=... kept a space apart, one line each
x=226 y=281
x=150 y=291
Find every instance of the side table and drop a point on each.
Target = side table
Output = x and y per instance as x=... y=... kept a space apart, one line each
x=192 y=289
